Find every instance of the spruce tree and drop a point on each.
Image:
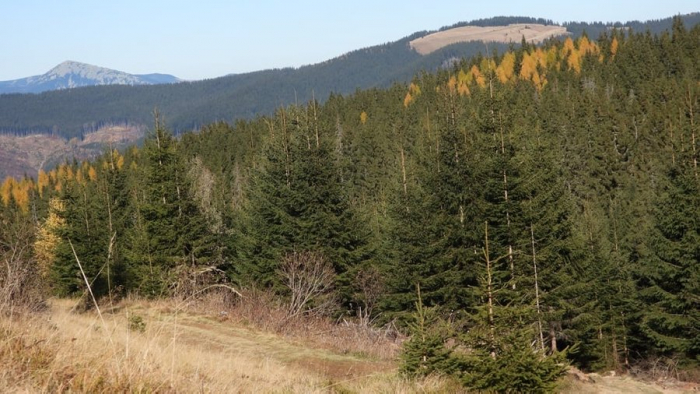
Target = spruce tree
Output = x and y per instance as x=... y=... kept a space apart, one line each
x=170 y=231
x=297 y=202
x=669 y=277
x=84 y=237
x=433 y=240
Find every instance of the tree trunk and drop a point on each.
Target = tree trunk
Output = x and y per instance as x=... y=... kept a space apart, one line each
x=505 y=198
x=552 y=335
x=537 y=288
x=692 y=133
x=489 y=292
x=403 y=172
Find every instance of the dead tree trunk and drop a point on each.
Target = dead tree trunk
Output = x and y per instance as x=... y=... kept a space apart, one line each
x=537 y=288
x=489 y=292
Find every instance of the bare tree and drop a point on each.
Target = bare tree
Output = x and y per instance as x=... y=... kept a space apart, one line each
x=20 y=282
x=309 y=278
x=370 y=284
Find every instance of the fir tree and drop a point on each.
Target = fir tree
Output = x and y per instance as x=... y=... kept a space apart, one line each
x=297 y=202
x=170 y=230
x=669 y=276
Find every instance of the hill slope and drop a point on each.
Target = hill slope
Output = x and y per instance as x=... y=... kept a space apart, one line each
x=26 y=155
x=513 y=33
x=70 y=74
x=190 y=105
x=155 y=347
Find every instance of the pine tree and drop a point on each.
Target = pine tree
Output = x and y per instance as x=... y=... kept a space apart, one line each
x=170 y=230
x=669 y=277
x=503 y=356
x=297 y=202
x=425 y=352
x=433 y=241
x=84 y=237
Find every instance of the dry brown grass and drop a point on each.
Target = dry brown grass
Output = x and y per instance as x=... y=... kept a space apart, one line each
x=214 y=345
x=610 y=382
x=263 y=311
x=184 y=350
x=506 y=34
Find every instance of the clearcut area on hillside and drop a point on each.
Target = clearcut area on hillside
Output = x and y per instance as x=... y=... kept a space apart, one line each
x=532 y=32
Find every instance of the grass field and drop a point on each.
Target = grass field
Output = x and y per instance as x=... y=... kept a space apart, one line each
x=145 y=346
x=174 y=347
x=532 y=32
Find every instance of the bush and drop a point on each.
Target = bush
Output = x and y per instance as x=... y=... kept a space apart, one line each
x=517 y=368
x=510 y=365
x=136 y=323
x=425 y=353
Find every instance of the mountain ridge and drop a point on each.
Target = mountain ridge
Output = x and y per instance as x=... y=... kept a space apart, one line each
x=192 y=104
x=71 y=74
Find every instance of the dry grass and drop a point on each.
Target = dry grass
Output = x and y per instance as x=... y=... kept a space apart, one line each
x=622 y=384
x=179 y=350
x=214 y=345
x=264 y=312
x=610 y=382
x=506 y=34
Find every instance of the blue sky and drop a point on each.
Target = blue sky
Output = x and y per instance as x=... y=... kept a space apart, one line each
x=206 y=39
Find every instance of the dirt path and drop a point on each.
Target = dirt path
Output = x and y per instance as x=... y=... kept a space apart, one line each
x=229 y=339
x=212 y=350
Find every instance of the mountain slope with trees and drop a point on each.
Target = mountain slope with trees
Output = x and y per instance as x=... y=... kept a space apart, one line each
x=191 y=105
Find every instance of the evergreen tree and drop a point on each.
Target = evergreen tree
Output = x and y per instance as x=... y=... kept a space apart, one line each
x=433 y=241
x=170 y=231
x=297 y=202
x=669 y=277
x=84 y=237
x=425 y=352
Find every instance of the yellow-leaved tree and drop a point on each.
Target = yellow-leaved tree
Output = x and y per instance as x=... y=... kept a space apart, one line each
x=478 y=76
x=464 y=79
x=504 y=71
x=528 y=67
x=42 y=182
x=46 y=238
x=6 y=189
x=614 y=46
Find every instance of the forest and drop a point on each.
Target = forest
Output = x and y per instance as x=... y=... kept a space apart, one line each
x=513 y=214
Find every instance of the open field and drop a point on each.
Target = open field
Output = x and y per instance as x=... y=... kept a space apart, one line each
x=512 y=33
x=141 y=346
x=176 y=347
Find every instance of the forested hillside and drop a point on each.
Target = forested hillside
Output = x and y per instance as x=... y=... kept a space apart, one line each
x=189 y=106
x=508 y=212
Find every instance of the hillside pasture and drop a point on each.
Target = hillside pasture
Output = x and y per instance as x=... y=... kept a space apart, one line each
x=532 y=32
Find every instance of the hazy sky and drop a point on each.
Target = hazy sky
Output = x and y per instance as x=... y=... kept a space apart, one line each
x=206 y=39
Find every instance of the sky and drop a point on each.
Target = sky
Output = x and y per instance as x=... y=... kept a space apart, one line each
x=201 y=39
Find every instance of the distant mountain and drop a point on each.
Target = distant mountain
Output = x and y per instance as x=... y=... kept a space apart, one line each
x=69 y=74
x=190 y=105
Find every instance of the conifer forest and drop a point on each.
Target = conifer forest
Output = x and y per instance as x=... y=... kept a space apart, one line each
x=512 y=214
